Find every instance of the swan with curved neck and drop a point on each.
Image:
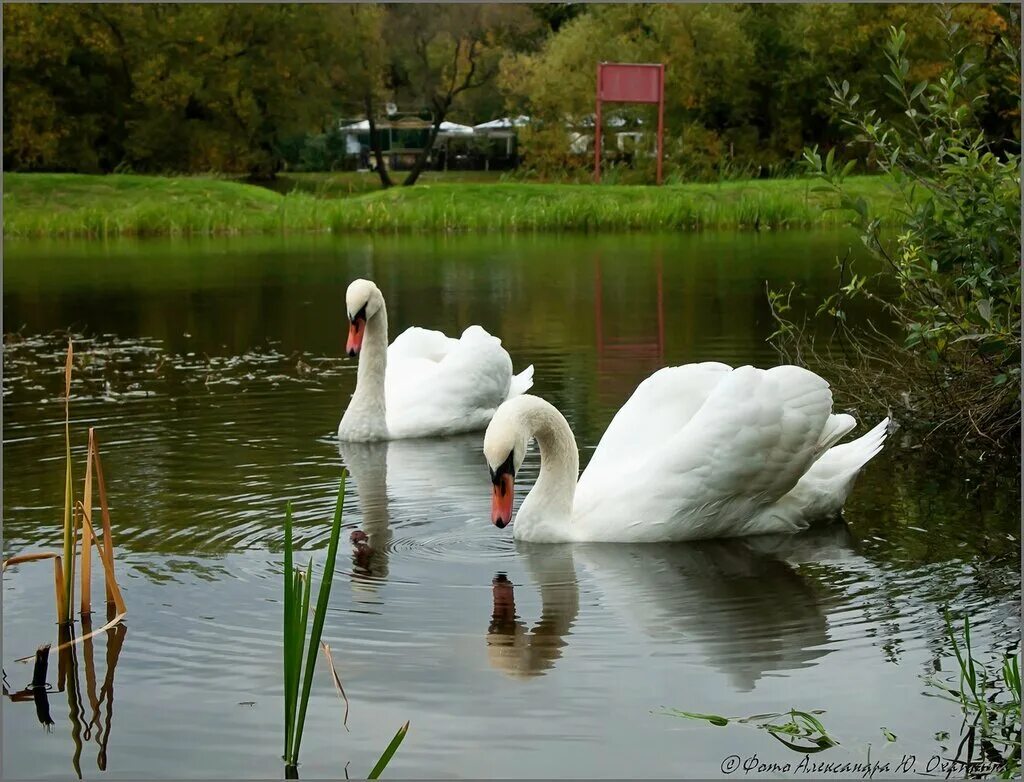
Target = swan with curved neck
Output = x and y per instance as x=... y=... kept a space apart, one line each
x=365 y=418
x=546 y=513
x=425 y=384
x=698 y=451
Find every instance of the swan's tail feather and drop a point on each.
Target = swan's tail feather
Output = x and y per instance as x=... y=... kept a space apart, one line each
x=859 y=452
x=822 y=491
x=830 y=480
x=836 y=427
x=521 y=383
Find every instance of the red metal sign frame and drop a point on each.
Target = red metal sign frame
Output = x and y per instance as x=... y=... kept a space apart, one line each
x=629 y=83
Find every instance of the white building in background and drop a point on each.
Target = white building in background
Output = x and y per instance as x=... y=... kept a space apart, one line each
x=503 y=129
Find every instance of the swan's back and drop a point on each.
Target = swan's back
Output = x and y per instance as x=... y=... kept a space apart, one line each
x=661 y=405
x=437 y=385
x=701 y=453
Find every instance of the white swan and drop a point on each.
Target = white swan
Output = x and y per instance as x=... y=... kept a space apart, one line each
x=698 y=451
x=425 y=384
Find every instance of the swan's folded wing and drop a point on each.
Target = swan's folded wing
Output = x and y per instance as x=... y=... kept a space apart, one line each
x=661 y=406
x=458 y=392
x=415 y=343
x=750 y=442
x=757 y=434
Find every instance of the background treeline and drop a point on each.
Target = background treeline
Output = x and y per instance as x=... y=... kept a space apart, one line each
x=249 y=89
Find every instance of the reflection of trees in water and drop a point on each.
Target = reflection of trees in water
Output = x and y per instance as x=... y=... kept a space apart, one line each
x=929 y=506
x=91 y=715
x=902 y=602
x=933 y=531
x=238 y=455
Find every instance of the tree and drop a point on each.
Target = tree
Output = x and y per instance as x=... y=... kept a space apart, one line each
x=708 y=59
x=441 y=52
x=171 y=87
x=743 y=82
x=365 y=26
x=66 y=87
x=225 y=84
x=953 y=256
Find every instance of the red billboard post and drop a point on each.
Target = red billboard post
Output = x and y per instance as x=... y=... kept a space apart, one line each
x=628 y=83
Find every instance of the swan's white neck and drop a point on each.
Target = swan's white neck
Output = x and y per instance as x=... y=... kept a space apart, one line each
x=366 y=418
x=546 y=513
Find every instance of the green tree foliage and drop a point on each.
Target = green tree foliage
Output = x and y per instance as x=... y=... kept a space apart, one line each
x=172 y=87
x=704 y=48
x=745 y=83
x=440 y=55
x=65 y=87
x=953 y=254
x=240 y=87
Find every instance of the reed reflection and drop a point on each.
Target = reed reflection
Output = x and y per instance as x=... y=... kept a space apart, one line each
x=91 y=716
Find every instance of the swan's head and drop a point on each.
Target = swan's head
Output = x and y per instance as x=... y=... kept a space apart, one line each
x=363 y=300
x=505 y=448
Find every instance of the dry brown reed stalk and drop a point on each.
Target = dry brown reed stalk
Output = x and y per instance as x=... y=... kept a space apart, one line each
x=80 y=515
x=337 y=679
x=108 y=537
x=69 y=495
x=58 y=575
x=87 y=539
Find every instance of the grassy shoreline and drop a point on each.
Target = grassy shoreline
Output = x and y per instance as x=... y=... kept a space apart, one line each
x=80 y=205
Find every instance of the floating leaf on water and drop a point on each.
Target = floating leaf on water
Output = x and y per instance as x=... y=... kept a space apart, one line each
x=714 y=719
x=759 y=717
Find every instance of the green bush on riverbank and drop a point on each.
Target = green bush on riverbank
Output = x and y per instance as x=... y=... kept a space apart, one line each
x=68 y=205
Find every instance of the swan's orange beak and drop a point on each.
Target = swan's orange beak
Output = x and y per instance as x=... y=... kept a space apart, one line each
x=356 y=329
x=501 y=502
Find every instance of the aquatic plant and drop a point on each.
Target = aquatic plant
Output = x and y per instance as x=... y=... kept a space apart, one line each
x=78 y=517
x=990 y=743
x=389 y=752
x=298 y=672
x=300 y=655
x=800 y=731
x=991 y=730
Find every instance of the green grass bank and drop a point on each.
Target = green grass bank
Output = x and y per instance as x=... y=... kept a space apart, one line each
x=79 y=205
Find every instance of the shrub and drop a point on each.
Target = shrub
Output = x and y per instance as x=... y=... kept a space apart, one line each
x=953 y=253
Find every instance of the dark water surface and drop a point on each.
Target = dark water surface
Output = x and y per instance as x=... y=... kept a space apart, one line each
x=214 y=373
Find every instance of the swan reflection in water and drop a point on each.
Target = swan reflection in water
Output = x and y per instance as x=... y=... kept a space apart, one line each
x=399 y=479
x=740 y=603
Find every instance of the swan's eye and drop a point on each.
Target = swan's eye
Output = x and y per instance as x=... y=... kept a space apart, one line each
x=361 y=315
x=506 y=468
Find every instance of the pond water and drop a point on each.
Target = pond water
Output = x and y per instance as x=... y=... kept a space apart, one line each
x=214 y=373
